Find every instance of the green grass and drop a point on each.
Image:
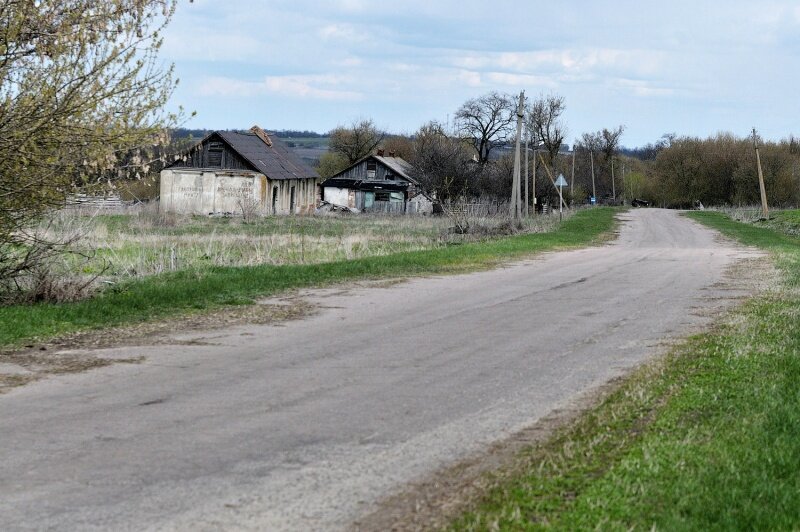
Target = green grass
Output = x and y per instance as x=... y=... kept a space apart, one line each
x=707 y=438
x=200 y=289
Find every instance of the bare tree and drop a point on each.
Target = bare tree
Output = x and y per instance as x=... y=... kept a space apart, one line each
x=398 y=146
x=590 y=142
x=442 y=164
x=356 y=141
x=609 y=141
x=545 y=123
x=486 y=121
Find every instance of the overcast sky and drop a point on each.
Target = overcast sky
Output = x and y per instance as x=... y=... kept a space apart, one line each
x=690 y=67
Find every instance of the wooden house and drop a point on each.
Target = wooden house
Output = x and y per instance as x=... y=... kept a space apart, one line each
x=239 y=172
x=377 y=183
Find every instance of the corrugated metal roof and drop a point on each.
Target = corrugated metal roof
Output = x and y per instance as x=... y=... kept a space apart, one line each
x=276 y=161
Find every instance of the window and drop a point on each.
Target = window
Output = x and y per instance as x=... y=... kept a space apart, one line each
x=215 y=150
x=372 y=169
x=382 y=196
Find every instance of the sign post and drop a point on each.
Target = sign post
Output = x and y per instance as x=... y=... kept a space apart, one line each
x=560 y=183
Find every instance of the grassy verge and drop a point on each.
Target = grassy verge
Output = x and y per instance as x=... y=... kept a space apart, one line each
x=193 y=290
x=708 y=438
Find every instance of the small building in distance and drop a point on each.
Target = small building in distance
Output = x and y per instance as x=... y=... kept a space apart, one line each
x=239 y=172
x=377 y=183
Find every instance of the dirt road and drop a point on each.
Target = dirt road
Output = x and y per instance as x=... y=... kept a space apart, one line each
x=307 y=424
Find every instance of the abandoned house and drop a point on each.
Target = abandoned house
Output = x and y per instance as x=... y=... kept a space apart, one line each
x=378 y=183
x=239 y=172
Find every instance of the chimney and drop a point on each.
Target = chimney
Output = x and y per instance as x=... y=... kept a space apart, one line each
x=260 y=133
x=391 y=154
x=380 y=153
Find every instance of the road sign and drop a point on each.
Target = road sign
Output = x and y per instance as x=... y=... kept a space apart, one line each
x=560 y=183
x=593 y=200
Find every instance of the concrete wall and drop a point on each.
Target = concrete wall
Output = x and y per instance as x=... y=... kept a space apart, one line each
x=306 y=196
x=206 y=191
x=339 y=196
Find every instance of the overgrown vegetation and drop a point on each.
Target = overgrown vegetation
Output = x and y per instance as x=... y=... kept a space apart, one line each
x=705 y=439
x=82 y=92
x=201 y=288
x=718 y=171
x=149 y=242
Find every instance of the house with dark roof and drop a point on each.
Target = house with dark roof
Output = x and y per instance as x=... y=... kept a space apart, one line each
x=377 y=183
x=239 y=172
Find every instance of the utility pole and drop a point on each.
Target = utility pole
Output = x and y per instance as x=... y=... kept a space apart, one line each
x=533 y=181
x=572 y=179
x=761 y=186
x=613 y=185
x=594 y=193
x=515 y=193
x=624 y=194
x=527 y=137
x=550 y=177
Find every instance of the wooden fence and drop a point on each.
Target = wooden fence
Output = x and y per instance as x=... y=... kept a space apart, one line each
x=85 y=201
x=387 y=207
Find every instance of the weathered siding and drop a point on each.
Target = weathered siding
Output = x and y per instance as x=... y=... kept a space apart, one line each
x=359 y=171
x=213 y=153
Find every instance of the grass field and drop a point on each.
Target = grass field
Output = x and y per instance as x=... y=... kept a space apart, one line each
x=146 y=243
x=195 y=289
x=707 y=438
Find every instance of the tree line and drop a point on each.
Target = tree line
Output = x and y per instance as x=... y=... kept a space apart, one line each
x=473 y=157
x=679 y=171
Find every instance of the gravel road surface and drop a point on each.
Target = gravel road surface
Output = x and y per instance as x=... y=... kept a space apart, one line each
x=306 y=425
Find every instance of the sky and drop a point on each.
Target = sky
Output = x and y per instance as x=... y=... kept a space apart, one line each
x=670 y=66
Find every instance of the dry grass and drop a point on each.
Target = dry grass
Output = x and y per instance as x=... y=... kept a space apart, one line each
x=141 y=241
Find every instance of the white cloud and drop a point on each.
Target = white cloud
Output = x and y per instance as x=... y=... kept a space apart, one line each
x=316 y=87
x=519 y=81
x=469 y=78
x=568 y=62
x=213 y=46
x=342 y=32
x=645 y=88
x=349 y=62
